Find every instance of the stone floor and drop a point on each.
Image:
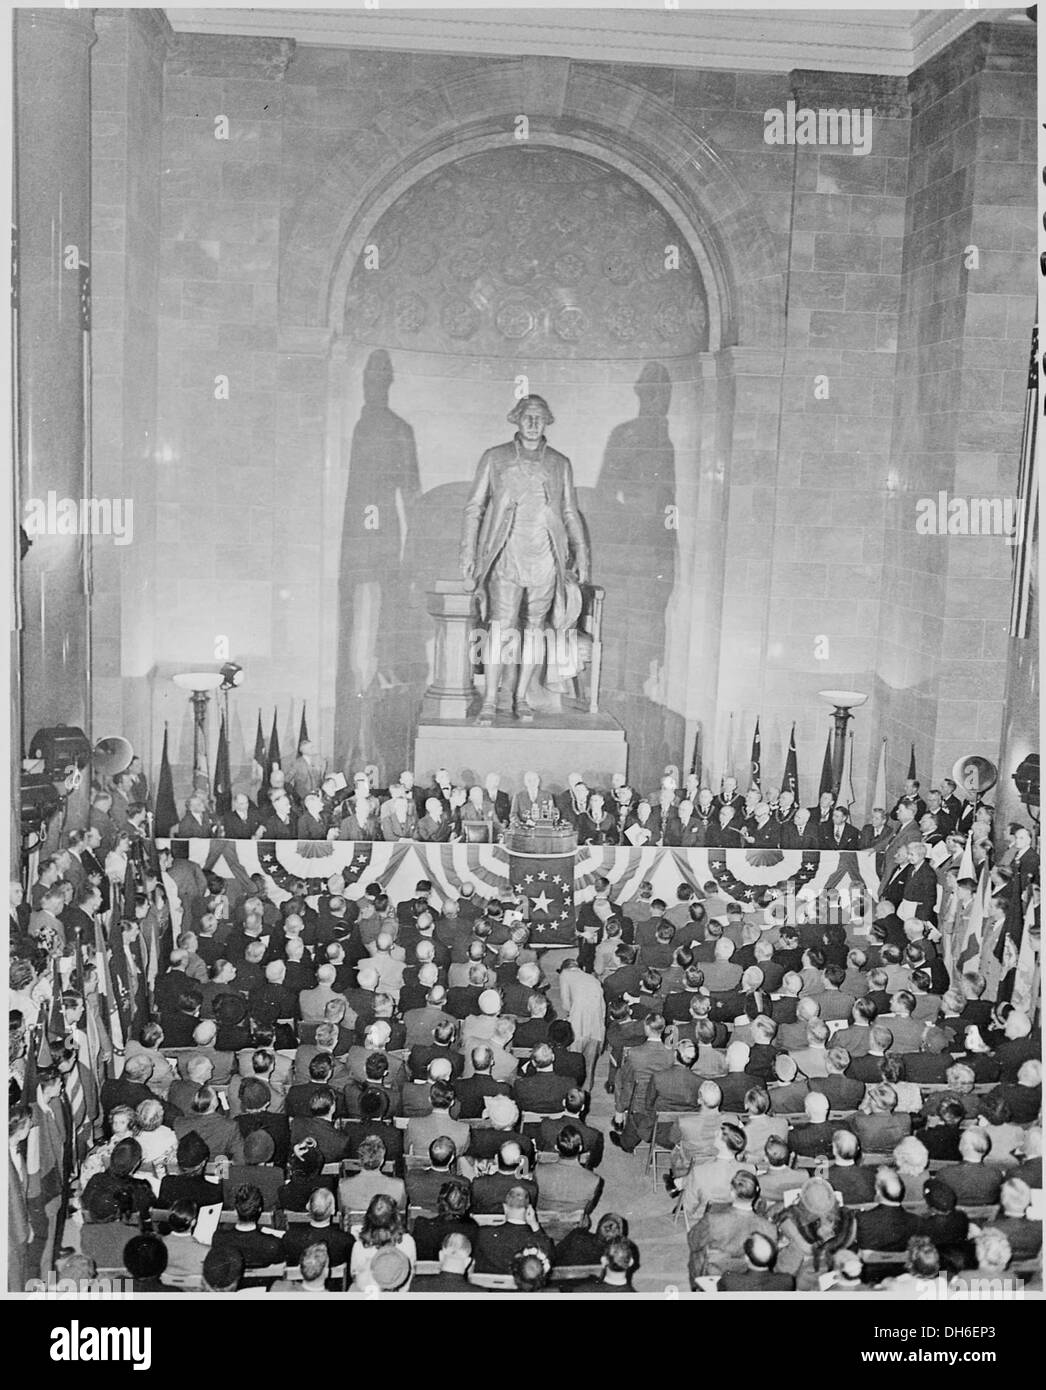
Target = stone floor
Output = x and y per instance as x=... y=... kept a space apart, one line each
x=630 y=1192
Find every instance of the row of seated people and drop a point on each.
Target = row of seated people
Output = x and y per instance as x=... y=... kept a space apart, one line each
x=771 y=1229
x=466 y=1175
x=382 y=1250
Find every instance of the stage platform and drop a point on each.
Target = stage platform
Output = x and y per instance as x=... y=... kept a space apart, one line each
x=555 y=745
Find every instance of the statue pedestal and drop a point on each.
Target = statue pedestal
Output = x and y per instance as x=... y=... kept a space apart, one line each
x=553 y=746
x=451 y=691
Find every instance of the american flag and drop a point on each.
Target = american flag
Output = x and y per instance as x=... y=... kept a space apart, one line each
x=1026 y=539
x=547 y=882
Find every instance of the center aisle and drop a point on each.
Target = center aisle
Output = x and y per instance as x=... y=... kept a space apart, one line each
x=629 y=1191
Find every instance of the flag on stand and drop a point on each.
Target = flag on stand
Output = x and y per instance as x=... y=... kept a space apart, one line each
x=879 y=796
x=790 y=781
x=826 y=769
x=1027 y=520
x=728 y=765
x=967 y=868
x=695 y=761
x=121 y=977
x=259 y=749
x=106 y=988
x=547 y=882
x=755 y=772
x=55 y=1030
x=166 y=815
x=274 y=750
x=967 y=957
x=911 y=766
x=222 y=775
x=303 y=732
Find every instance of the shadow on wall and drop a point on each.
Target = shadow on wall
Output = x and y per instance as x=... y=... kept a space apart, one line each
x=632 y=521
x=381 y=642
x=396 y=541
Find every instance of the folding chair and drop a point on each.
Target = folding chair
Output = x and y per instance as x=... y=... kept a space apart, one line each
x=657 y=1149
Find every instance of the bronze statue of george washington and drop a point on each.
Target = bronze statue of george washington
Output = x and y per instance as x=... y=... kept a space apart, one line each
x=523 y=546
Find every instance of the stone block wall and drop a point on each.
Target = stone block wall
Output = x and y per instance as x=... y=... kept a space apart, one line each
x=816 y=263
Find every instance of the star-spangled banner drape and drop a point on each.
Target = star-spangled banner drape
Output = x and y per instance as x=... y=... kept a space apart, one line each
x=737 y=873
x=547 y=882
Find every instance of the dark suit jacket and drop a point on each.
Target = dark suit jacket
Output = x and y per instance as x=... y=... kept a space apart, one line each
x=856 y=1184
x=885 y=1228
x=277 y=1125
x=497 y=1246
x=974 y=1184
x=842 y=1091
x=471 y=1092
x=850 y=839
x=488 y=1192
x=543 y=1092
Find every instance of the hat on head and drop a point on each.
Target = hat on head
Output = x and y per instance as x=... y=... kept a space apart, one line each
x=501 y=1110
x=389 y=1269
x=192 y=1150
x=489 y=1002
x=258 y=1147
x=818 y=1198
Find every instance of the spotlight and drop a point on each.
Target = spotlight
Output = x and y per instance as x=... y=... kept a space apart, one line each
x=232 y=675
x=1027 y=780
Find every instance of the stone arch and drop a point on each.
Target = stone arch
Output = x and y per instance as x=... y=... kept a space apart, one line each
x=568 y=106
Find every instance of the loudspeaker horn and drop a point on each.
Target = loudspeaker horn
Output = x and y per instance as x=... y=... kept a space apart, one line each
x=112 y=755
x=974 y=774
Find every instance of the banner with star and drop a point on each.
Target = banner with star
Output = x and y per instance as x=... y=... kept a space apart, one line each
x=547 y=882
x=737 y=873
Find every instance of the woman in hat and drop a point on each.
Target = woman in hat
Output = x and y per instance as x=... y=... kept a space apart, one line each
x=810 y=1233
x=383 y=1232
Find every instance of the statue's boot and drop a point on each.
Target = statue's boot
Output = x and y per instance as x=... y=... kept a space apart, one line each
x=524 y=713
x=488 y=709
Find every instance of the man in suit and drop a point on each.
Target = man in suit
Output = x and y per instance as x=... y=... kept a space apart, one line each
x=489 y=1190
x=879 y=1125
x=974 y=1182
x=800 y=832
x=632 y=1088
x=821 y=819
x=473 y=1090
x=497 y=1246
x=543 y=1089
x=677 y=1087
x=842 y=1091
x=318 y=1125
x=876 y=834
x=950 y=802
x=910 y=795
x=854 y=1183
x=907 y=833
x=398 y=818
x=814 y=1138
x=423 y=1184
x=844 y=836
x=728 y=796
x=887 y=1226
x=726 y=832
x=435 y=826
x=566 y=1186
x=920 y=887
x=758 y=1274
x=573 y=1110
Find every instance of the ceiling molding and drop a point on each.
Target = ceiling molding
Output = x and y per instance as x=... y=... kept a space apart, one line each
x=890 y=42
